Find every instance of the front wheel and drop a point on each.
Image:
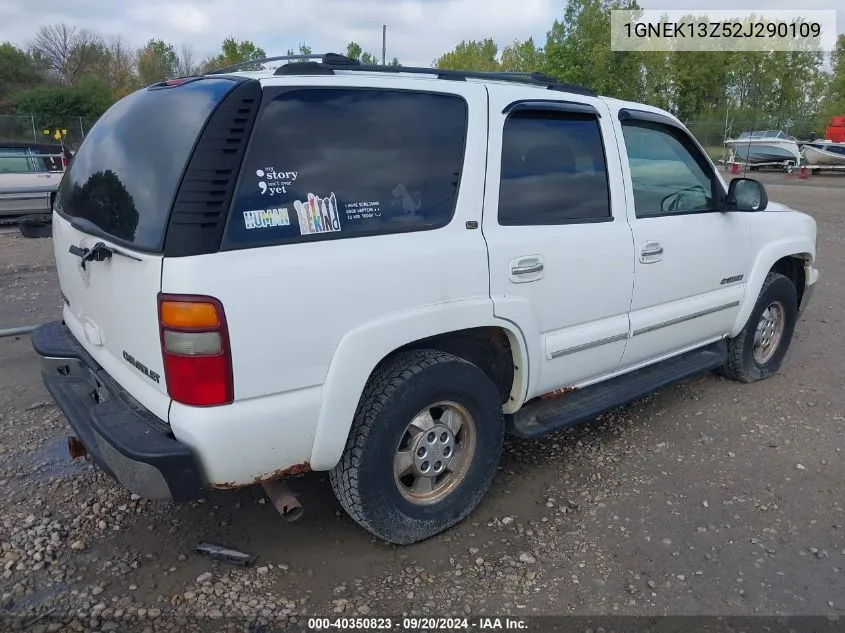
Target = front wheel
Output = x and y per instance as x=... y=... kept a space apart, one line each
x=423 y=447
x=758 y=350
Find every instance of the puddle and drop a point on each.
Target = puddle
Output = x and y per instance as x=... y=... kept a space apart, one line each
x=49 y=461
x=38 y=597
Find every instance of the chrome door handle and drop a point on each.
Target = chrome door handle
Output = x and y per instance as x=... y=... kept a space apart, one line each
x=527 y=270
x=653 y=251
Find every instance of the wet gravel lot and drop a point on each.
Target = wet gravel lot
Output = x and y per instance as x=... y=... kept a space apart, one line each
x=709 y=497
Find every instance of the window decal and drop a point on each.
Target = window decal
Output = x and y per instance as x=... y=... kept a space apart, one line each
x=266 y=218
x=276 y=182
x=317 y=215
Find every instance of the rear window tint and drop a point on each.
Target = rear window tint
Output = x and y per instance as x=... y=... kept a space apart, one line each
x=334 y=163
x=553 y=170
x=122 y=181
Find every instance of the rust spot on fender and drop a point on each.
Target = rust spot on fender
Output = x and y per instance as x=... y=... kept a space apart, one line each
x=296 y=469
x=558 y=392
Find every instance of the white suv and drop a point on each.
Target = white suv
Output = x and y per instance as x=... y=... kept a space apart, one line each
x=378 y=272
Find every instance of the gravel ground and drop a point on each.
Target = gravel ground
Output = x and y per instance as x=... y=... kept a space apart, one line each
x=709 y=497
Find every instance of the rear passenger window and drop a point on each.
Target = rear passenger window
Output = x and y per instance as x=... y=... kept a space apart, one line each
x=334 y=163
x=553 y=170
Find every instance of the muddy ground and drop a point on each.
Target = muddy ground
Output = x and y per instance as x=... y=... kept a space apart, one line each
x=710 y=497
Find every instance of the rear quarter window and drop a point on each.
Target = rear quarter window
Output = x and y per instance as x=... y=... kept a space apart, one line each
x=336 y=163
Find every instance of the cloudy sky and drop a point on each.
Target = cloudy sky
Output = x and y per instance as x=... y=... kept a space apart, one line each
x=418 y=31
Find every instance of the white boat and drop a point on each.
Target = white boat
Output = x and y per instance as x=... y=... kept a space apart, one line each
x=824 y=153
x=764 y=146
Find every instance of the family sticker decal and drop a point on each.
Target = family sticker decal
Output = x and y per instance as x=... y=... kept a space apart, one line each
x=266 y=218
x=275 y=182
x=317 y=215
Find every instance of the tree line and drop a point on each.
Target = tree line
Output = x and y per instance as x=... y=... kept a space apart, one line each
x=65 y=71
x=800 y=89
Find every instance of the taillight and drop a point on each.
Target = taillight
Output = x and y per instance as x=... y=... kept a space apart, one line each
x=64 y=162
x=195 y=347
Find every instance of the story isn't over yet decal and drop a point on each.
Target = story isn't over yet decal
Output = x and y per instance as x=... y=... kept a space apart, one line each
x=275 y=182
x=266 y=218
x=317 y=215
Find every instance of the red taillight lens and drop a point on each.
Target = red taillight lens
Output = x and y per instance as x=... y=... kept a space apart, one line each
x=64 y=162
x=195 y=348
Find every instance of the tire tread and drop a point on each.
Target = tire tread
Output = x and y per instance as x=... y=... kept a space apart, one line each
x=385 y=380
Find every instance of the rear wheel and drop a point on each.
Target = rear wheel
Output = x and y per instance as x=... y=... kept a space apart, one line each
x=758 y=350
x=423 y=447
x=40 y=225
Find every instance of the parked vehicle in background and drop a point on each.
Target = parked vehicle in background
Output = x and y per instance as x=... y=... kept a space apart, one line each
x=29 y=176
x=764 y=147
x=379 y=271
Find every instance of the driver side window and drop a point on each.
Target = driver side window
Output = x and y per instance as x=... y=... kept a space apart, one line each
x=668 y=173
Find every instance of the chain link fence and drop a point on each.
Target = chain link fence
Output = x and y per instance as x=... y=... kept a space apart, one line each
x=30 y=128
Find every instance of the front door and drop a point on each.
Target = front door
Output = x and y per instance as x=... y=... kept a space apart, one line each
x=560 y=249
x=691 y=255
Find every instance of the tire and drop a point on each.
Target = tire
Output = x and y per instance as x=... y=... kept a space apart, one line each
x=36 y=226
x=403 y=388
x=743 y=363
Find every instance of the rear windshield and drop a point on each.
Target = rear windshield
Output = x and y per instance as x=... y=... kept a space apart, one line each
x=339 y=163
x=122 y=181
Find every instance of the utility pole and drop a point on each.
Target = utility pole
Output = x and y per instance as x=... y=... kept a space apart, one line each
x=383 y=44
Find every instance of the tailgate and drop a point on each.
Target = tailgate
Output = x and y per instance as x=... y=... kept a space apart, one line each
x=119 y=193
x=111 y=308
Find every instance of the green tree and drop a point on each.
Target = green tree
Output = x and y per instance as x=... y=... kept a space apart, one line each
x=54 y=106
x=303 y=49
x=523 y=57
x=471 y=55
x=578 y=49
x=156 y=62
x=17 y=71
x=237 y=52
x=394 y=62
x=834 y=97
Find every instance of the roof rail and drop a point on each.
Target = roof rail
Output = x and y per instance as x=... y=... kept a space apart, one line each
x=333 y=59
x=306 y=65
x=533 y=79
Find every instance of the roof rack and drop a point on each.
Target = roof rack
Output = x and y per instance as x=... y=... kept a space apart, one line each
x=534 y=79
x=333 y=59
x=306 y=65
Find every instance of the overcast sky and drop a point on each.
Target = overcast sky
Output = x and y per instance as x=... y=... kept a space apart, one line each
x=418 y=31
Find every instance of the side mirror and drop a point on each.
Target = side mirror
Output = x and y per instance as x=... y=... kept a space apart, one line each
x=745 y=194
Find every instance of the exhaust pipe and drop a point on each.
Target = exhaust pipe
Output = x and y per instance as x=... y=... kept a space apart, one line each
x=283 y=499
x=75 y=447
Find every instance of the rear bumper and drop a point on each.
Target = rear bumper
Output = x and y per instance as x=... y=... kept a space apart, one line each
x=125 y=439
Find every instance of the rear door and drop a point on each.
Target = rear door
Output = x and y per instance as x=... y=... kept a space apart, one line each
x=119 y=192
x=560 y=248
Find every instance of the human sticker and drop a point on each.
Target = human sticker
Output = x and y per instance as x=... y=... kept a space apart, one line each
x=277 y=182
x=266 y=218
x=317 y=215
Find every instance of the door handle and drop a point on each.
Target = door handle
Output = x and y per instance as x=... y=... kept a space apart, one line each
x=527 y=270
x=652 y=251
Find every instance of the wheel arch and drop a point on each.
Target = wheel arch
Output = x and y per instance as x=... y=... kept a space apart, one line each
x=462 y=328
x=788 y=257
